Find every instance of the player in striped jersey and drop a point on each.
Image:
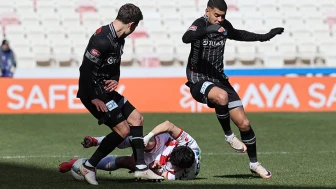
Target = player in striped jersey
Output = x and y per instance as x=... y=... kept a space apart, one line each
x=208 y=83
x=169 y=152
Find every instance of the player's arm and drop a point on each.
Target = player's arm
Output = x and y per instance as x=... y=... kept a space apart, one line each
x=199 y=29
x=242 y=35
x=165 y=127
x=92 y=58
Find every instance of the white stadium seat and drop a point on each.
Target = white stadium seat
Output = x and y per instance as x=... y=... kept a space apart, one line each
x=144 y=47
x=308 y=27
x=165 y=50
x=23 y=53
x=128 y=56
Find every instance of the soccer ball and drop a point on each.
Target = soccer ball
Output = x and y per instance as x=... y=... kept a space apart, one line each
x=75 y=172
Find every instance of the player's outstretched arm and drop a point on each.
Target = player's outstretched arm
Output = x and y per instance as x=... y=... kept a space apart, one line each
x=165 y=127
x=243 y=35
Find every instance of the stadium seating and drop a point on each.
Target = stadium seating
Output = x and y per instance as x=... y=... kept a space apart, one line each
x=55 y=32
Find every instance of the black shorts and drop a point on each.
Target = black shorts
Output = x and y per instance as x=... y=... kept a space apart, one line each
x=120 y=112
x=200 y=91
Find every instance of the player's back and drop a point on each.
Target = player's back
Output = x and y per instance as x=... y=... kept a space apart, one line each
x=101 y=60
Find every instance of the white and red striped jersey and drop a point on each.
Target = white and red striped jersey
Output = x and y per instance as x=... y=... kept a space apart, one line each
x=173 y=172
x=161 y=142
x=164 y=145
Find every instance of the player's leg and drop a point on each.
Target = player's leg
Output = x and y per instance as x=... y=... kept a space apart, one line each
x=248 y=137
x=116 y=121
x=135 y=120
x=209 y=93
x=111 y=163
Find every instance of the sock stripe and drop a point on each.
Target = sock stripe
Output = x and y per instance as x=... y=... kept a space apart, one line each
x=224 y=116
x=250 y=141
x=137 y=138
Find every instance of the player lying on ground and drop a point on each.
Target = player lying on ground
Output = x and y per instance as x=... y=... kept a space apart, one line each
x=169 y=152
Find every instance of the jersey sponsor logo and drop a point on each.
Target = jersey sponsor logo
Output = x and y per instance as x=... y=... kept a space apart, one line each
x=111 y=105
x=91 y=57
x=205 y=86
x=213 y=43
x=192 y=28
x=111 y=60
x=95 y=52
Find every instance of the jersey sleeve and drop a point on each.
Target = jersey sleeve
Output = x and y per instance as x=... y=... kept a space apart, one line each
x=182 y=174
x=240 y=35
x=164 y=157
x=97 y=48
x=184 y=139
x=196 y=31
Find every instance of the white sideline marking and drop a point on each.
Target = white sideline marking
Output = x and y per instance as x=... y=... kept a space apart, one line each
x=206 y=154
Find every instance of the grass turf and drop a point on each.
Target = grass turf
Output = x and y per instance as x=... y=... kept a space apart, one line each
x=298 y=148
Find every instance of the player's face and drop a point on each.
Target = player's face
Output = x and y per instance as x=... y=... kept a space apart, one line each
x=215 y=15
x=131 y=27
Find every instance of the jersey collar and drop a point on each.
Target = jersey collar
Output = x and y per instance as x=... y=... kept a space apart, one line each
x=113 y=32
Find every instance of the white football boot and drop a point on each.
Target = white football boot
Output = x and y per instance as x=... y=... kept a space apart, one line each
x=236 y=144
x=258 y=169
x=89 y=174
x=147 y=175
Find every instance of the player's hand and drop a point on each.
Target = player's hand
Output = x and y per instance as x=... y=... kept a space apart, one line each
x=221 y=30
x=156 y=165
x=272 y=33
x=214 y=28
x=100 y=105
x=147 y=138
x=110 y=85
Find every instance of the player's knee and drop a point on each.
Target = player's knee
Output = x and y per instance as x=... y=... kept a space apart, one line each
x=222 y=98
x=124 y=130
x=244 y=125
x=142 y=119
x=135 y=119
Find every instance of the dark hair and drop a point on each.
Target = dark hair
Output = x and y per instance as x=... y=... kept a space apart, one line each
x=182 y=157
x=5 y=42
x=219 y=4
x=129 y=13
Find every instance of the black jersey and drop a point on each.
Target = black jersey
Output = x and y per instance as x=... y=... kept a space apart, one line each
x=206 y=58
x=101 y=62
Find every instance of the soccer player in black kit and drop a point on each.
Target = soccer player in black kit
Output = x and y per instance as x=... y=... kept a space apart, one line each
x=99 y=76
x=208 y=83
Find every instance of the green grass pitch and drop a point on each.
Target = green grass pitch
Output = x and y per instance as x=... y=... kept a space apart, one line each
x=298 y=148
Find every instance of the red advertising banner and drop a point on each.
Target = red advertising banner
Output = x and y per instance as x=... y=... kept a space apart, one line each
x=258 y=94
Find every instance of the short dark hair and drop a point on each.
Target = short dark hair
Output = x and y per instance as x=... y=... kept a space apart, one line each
x=182 y=157
x=219 y=4
x=129 y=13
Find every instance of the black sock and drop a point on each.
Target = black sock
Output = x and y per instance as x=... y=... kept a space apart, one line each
x=108 y=144
x=250 y=140
x=223 y=117
x=138 y=145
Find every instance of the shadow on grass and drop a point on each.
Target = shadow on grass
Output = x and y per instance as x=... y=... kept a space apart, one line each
x=240 y=176
x=21 y=176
